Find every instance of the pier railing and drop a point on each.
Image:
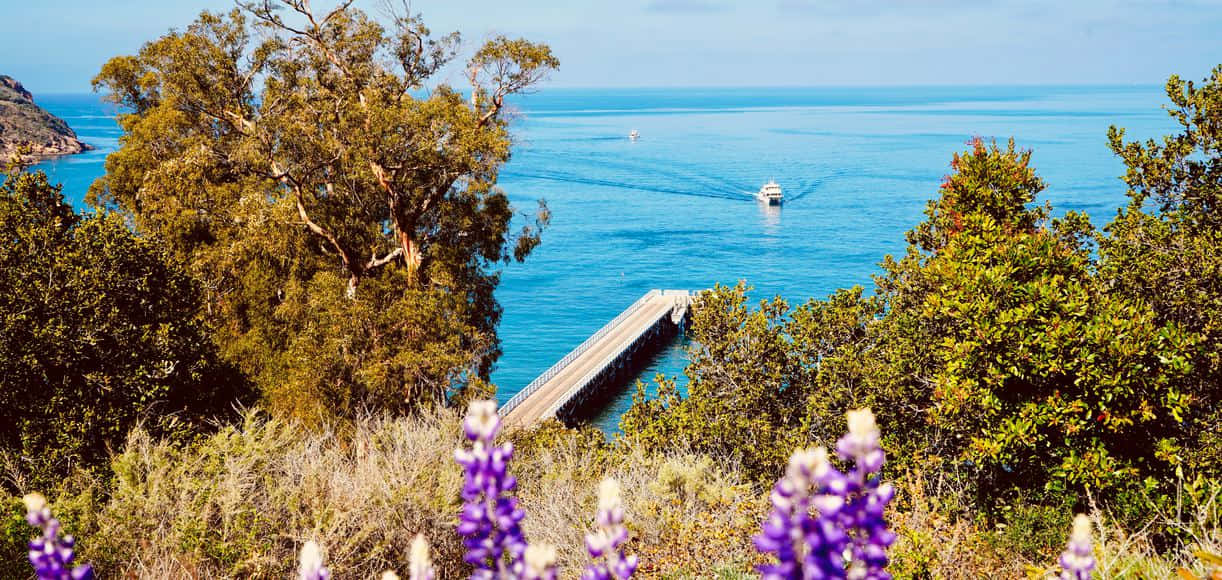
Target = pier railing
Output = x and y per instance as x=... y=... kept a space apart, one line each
x=572 y=355
x=580 y=385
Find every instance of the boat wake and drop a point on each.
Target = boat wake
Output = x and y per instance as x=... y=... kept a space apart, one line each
x=565 y=178
x=670 y=170
x=617 y=172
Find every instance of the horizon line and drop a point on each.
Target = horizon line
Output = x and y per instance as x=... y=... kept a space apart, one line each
x=580 y=87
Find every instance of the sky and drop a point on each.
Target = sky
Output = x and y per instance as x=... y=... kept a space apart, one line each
x=56 y=46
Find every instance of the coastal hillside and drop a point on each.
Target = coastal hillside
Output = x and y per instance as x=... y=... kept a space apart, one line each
x=255 y=333
x=22 y=122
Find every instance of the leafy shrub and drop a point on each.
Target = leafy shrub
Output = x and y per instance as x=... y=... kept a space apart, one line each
x=1030 y=531
x=14 y=535
x=1165 y=248
x=751 y=374
x=98 y=331
x=1002 y=355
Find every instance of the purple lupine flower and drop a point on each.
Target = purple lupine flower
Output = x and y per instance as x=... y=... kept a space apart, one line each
x=865 y=498
x=802 y=530
x=311 y=565
x=1077 y=561
x=51 y=555
x=821 y=516
x=489 y=521
x=605 y=544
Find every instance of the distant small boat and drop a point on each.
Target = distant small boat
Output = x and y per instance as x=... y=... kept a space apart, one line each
x=770 y=193
x=634 y=135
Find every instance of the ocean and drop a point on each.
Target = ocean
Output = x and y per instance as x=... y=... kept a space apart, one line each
x=674 y=209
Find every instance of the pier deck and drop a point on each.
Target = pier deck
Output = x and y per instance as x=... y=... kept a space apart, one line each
x=561 y=390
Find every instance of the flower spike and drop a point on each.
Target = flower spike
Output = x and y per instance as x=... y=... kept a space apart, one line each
x=605 y=545
x=50 y=555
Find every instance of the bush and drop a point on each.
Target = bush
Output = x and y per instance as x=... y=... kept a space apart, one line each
x=1165 y=248
x=1004 y=357
x=751 y=375
x=98 y=331
x=14 y=534
x=1031 y=531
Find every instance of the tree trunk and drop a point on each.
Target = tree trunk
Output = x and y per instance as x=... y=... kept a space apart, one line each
x=411 y=254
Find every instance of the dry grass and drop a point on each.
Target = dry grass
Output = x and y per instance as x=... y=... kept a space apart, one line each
x=935 y=544
x=241 y=502
x=1124 y=554
x=685 y=516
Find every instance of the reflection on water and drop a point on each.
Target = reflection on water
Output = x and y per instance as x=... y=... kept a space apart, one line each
x=770 y=217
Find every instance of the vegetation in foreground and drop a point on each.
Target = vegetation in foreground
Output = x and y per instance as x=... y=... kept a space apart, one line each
x=242 y=503
x=262 y=250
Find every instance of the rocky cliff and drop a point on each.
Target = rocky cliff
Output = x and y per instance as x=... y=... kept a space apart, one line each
x=24 y=123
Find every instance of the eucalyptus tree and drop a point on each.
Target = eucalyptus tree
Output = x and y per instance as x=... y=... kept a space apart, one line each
x=338 y=202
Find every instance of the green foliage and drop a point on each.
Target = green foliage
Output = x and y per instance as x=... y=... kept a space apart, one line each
x=341 y=212
x=751 y=373
x=1015 y=364
x=552 y=434
x=98 y=331
x=1032 y=531
x=987 y=181
x=736 y=404
x=1012 y=363
x=373 y=343
x=15 y=535
x=1165 y=248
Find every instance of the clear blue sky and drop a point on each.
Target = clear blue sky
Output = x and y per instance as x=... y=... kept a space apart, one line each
x=58 y=45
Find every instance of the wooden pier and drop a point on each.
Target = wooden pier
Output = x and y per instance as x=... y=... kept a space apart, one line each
x=585 y=374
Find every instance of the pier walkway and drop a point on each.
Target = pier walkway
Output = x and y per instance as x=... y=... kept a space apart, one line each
x=583 y=375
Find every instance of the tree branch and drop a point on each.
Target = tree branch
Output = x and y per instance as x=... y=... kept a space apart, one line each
x=321 y=231
x=376 y=262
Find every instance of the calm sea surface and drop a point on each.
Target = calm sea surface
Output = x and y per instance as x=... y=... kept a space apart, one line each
x=674 y=210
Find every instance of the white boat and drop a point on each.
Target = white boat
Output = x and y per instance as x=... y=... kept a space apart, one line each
x=634 y=135
x=770 y=193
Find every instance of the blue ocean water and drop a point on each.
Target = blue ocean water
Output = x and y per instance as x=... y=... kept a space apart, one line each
x=673 y=209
